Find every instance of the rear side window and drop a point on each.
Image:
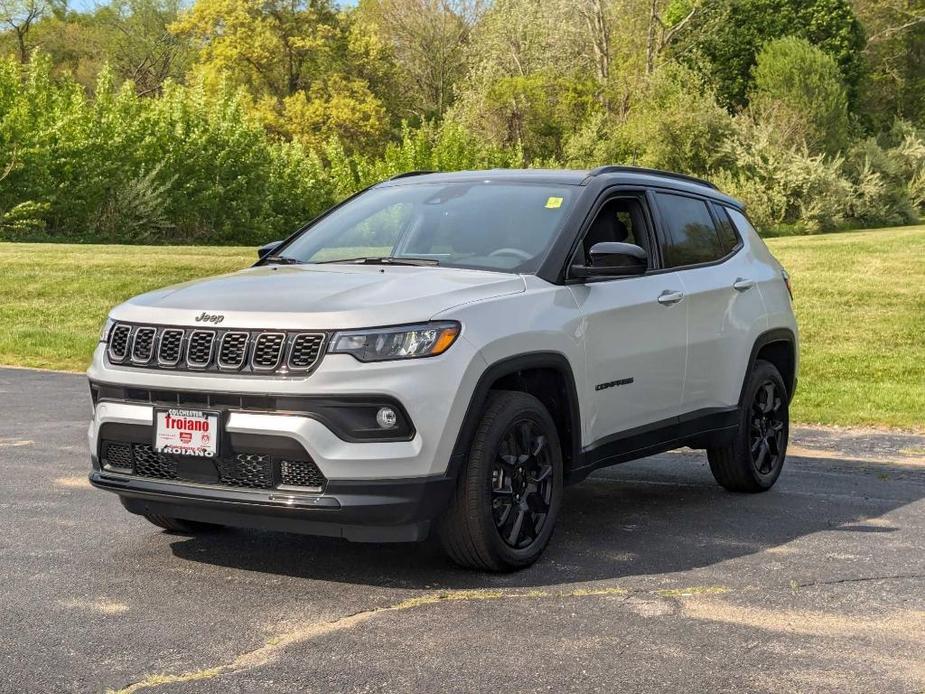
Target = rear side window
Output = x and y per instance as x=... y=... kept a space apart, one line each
x=727 y=233
x=692 y=235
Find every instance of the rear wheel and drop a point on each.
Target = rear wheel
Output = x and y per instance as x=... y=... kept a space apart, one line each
x=179 y=525
x=753 y=462
x=507 y=498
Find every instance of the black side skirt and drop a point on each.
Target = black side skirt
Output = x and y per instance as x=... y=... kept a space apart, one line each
x=700 y=429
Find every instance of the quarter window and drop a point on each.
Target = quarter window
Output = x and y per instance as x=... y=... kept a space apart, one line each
x=727 y=234
x=692 y=235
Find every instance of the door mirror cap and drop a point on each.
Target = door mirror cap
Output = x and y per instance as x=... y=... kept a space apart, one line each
x=267 y=249
x=614 y=259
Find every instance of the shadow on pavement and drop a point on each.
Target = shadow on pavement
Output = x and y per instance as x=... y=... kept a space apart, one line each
x=650 y=517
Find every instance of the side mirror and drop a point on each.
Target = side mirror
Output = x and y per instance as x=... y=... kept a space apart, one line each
x=267 y=249
x=613 y=259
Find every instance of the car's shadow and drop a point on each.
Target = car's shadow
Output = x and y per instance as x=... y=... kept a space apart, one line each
x=651 y=517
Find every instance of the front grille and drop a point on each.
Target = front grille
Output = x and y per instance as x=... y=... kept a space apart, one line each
x=118 y=342
x=170 y=346
x=233 y=350
x=301 y=473
x=306 y=348
x=199 y=350
x=247 y=352
x=143 y=345
x=244 y=470
x=268 y=350
x=251 y=470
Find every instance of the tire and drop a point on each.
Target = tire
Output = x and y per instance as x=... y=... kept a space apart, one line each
x=754 y=460
x=178 y=525
x=507 y=497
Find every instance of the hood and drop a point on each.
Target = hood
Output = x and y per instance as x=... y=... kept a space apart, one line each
x=319 y=297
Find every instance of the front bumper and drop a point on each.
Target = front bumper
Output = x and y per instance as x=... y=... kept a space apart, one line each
x=373 y=491
x=359 y=511
x=434 y=392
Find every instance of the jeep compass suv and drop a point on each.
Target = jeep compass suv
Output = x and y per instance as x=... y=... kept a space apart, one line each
x=444 y=352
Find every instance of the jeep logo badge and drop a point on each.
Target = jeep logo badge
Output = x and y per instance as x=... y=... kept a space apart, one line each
x=214 y=318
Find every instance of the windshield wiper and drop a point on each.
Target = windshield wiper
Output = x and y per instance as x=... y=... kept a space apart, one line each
x=383 y=260
x=282 y=260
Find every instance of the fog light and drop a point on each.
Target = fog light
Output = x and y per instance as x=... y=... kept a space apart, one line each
x=386 y=418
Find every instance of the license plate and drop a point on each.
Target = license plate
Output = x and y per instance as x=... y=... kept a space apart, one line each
x=186 y=432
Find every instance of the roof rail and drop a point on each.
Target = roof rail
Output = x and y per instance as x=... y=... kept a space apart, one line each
x=406 y=174
x=653 y=172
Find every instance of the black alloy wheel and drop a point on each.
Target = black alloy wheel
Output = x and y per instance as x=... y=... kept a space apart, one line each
x=767 y=428
x=507 y=497
x=521 y=484
x=752 y=460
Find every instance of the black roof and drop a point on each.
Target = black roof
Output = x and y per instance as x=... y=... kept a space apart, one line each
x=629 y=175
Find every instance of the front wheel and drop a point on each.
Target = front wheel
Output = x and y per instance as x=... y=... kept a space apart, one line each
x=508 y=496
x=753 y=462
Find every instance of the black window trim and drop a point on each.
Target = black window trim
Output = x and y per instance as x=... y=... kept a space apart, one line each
x=639 y=193
x=662 y=231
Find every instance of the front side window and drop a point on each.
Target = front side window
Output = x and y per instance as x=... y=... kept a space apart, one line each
x=692 y=235
x=622 y=220
x=481 y=225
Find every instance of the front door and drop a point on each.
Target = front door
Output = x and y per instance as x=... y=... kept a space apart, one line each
x=634 y=330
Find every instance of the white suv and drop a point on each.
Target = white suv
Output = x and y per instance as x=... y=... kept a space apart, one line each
x=447 y=351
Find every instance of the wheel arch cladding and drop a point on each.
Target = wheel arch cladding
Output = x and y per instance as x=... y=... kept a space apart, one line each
x=778 y=347
x=545 y=375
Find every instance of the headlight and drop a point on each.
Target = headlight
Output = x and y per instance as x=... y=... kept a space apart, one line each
x=104 y=331
x=401 y=342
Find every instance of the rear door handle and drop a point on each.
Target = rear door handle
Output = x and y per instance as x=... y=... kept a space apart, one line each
x=668 y=297
x=741 y=284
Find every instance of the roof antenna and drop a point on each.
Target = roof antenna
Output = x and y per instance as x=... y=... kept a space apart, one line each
x=635 y=153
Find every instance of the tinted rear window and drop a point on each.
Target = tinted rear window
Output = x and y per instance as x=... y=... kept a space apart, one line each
x=692 y=235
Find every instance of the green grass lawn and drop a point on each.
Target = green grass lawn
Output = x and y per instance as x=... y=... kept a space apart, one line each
x=860 y=299
x=860 y=303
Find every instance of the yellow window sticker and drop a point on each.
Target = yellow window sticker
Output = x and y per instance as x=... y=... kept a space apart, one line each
x=553 y=202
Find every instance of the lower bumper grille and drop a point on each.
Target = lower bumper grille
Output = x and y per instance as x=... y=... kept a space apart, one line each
x=242 y=470
x=301 y=473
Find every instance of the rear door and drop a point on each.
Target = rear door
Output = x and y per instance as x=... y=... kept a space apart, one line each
x=701 y=244
x=634 y=329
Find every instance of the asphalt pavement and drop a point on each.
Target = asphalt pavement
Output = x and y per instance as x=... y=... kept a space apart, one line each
x=656 y=580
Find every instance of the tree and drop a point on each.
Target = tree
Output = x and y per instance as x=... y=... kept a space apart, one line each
x=428 y=39
x=297 y=59
x=142 y=48
x=723 y=39
x=662 y=31
x=274 y=47
x=677 y=123
x=20 y=16
x=894 y=57
x=531 y=76
x=798 y=88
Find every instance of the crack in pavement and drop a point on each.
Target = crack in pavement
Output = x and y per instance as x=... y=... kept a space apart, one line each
x=862 y=579
x=14 y=443
x=270 y=650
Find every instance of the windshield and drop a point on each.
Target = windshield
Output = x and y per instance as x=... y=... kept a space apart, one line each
x=473 y=224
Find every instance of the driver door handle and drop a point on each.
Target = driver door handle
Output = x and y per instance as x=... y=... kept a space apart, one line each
x=669 y=297
x=741 y=284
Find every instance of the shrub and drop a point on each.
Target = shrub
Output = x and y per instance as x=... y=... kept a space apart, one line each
x=797 y=88
x=675 y=123
x=781 y=186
